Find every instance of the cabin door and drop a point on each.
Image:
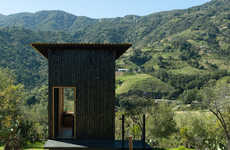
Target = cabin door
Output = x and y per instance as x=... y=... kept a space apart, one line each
x=64 y=101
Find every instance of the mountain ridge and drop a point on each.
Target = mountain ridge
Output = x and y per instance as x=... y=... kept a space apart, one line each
x=17 y=19
x=87 y=29
x=178 y=45
x=53 y=20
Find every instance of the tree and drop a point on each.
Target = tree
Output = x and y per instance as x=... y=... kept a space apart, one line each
x=134 y=107
x=161 y=123
x=191 y=95
x=37 y=119
x=11 y=97
x=139 y=58
x=217 y=100
x=199 y=130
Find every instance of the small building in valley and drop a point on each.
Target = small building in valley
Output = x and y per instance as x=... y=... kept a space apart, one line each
x=82 y=76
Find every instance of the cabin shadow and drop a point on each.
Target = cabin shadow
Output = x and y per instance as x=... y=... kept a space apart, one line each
x=81 y=102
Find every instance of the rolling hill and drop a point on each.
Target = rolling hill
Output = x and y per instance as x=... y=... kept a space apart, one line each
x=183 y=49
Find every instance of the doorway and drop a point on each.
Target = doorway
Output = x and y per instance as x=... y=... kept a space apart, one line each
x=64 y=108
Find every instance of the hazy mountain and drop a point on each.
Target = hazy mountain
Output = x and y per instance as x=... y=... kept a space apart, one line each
x=46 y=20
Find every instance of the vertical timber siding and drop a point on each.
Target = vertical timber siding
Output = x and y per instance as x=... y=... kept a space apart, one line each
x=92 y=72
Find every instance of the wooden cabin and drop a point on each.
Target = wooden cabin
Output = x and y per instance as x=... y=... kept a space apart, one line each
x=88 y=71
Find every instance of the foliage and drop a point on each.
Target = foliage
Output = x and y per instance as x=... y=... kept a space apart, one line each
x=13 y=142
x=139 y=58
x=36 y=124
x=143 y=85
x=200 y=131
x=188 y=96
x=31 y=146
x=162 y=121
x=11 y=98
x=180 y=148
x=195 y=38
x=20 y=123
x=133 y=110
x=217 y=102
x=174 y=55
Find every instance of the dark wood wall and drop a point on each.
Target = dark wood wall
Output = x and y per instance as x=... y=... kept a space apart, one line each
x=92 y=72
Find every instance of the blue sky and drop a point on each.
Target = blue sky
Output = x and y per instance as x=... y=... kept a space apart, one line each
x=97 y=8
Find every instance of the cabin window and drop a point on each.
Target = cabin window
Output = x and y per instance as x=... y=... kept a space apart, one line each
x=64 y=102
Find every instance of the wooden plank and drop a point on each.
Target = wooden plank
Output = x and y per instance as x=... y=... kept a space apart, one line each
x=97 y=98
x=75 y=102
x=113 y=92
x=56 y=109
x=49 y=97
x=105 y=94
x=77 y=70
x=87 y=102
x=53 y=135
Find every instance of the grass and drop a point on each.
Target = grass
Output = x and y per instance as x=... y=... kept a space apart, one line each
x=223 y=81
x=189 y=115
x=180 y=148
x=34 y=146
x=187 y=71
x=30 y=146
x=128 y=81
x=141 y=82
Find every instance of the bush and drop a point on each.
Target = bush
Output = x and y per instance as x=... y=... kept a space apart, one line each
x=200 y=131
x=189 y=96
x=162 y=124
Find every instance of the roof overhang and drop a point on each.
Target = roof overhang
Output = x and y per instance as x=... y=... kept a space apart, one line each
x=43 y=48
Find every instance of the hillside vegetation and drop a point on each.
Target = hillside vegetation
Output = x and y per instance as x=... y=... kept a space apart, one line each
x=179 y=49
x=142 y=84
x=180 y=57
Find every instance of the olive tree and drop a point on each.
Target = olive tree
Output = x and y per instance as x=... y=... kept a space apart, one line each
x=217 y=101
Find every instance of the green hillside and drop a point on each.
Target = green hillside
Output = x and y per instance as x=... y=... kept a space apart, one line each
x=143 y=85
x=181 y=57
x=17 y=54
x=176 y=50
x=46 y=21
